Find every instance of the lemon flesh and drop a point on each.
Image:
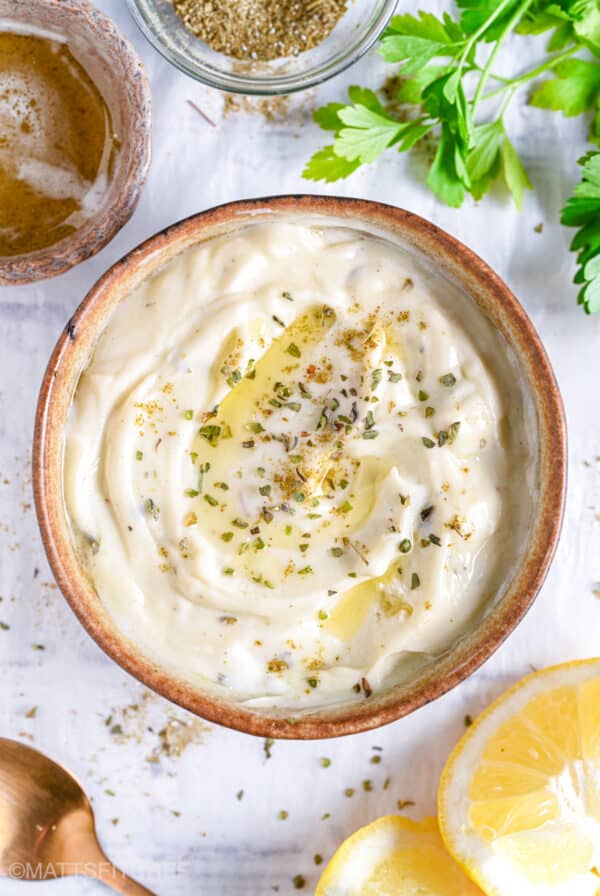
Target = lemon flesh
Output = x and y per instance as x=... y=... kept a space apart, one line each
x=395 y=856
x=519 y=799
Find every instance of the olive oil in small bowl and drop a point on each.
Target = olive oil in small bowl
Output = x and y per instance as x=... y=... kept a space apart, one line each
x=57 y=143
x=68 y=176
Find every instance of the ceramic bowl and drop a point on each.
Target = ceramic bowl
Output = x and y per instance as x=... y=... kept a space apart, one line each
x=113 y=65
x=542 y=505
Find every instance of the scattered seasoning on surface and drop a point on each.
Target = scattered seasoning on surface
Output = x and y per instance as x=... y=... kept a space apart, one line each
x=366 y=687
x=260 y=29
x=299 y=882
x=201 y=112
x=175 y=737
x=404 y=804
x=325 y=761
x=468 y=721
x=282 y=815
x=239 y=795
x=318 y=859
x=349 y=792
x=267 y=746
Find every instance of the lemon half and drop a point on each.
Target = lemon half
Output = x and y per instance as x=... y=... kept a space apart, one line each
x=519 y=798
x=395 y=856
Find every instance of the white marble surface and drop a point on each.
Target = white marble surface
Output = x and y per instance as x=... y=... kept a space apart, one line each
x=217 y=843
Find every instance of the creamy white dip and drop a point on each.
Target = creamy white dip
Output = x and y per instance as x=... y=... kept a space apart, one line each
x=291 y=466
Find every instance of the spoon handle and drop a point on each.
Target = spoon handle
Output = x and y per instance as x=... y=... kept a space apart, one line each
x=111 y=876
x=101 y=868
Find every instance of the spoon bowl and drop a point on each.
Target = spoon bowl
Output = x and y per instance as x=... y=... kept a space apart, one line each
x=47 y=827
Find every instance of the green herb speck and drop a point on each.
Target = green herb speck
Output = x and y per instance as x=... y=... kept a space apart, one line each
x=448 y=379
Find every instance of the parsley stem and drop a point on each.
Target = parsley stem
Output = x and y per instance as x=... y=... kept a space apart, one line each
x=510 y=26
x=481 y=30
x=506 y=103
x=530 y=75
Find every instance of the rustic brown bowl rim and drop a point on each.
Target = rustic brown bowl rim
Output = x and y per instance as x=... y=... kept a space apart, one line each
x=86 y=242
x=478 y=279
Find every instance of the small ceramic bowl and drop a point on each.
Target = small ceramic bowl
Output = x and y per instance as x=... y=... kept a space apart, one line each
x=541 y=507
x=113 y=65
x=357 y=31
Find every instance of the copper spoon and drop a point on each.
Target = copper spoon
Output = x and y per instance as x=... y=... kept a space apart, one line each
x=47 y=825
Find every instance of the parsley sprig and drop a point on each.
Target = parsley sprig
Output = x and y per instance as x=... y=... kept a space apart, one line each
x=448 y=76
x=583 y=211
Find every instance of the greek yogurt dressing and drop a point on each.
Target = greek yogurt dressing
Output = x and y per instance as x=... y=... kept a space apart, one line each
x=290 y=468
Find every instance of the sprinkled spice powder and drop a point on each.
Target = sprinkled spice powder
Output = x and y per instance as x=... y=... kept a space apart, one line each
x=260 y=29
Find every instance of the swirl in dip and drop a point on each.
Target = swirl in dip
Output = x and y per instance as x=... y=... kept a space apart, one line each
x=290 y=467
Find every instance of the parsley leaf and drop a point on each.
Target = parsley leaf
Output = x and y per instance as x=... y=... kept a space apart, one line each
x=483 y=161
x=449 y=89
x=362 y=96
x=366 y=134
x=487 y=17
x=574 y=90
x=583 y=211
x=327 y=116
x=326 y=165
x=444 y=178
x=515 y=175
x=411 y=90
x=586 y=16
x=415 y=41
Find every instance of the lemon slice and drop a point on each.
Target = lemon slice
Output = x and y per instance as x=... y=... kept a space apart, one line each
x=519 y=799
x=395 y=856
